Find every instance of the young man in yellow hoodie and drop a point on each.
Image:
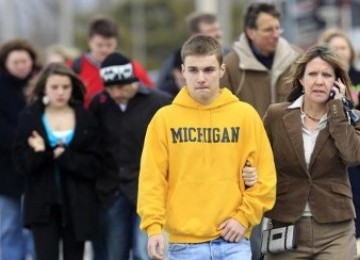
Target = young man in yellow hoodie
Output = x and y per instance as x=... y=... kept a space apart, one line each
x=190 y=183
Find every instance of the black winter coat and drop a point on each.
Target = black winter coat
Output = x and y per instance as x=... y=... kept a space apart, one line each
x=78 y=167
x=122 y=139
x=12 y=102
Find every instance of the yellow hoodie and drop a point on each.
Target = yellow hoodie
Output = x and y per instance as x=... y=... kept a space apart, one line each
x=190 y=176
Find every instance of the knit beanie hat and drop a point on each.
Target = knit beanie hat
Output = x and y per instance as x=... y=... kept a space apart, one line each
x=117 y=69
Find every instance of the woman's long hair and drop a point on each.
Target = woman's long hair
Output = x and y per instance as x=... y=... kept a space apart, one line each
x=298 y=69
x=39 y=83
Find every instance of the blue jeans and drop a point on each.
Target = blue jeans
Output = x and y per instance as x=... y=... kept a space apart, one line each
x=217 y=249
x=15 y=242
x=124 y=238
x=99 y=243
x=255 y=242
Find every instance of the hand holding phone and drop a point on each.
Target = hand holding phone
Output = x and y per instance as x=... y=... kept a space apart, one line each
x=333 y=92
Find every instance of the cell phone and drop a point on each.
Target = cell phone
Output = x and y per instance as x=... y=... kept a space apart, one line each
x=332 y=93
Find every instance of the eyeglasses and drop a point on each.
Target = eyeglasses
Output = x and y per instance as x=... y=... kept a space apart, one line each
x=271 y=30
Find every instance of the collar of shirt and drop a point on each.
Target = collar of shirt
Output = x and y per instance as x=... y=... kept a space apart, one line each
x=297 y=104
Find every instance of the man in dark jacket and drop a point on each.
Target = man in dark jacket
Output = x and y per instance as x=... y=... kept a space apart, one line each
x=124 y=110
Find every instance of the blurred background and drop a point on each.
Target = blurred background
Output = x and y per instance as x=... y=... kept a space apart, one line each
x=151 y=29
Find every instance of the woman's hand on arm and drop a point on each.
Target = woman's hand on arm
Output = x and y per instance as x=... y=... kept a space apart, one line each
x=36 y=142
x=249 y=175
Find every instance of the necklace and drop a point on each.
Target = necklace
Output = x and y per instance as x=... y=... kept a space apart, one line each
x=312 y=118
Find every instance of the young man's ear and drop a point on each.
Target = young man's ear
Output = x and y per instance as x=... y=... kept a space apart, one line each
x=222 y=70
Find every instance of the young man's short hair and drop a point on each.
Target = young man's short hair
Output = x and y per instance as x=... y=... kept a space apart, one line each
x=202 y=45
x=194 y=19
x=103 y=26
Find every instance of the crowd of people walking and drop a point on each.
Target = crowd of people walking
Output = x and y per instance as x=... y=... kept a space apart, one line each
x=227 y=143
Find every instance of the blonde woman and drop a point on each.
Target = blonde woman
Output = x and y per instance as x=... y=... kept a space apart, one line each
x=339 y=40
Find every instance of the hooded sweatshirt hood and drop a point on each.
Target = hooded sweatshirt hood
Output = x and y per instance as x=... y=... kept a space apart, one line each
x=184 y=99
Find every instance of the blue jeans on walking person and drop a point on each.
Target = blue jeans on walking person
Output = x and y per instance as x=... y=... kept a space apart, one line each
x=99 y=243
x=15 y=242
x=217 y=249
x=255 y=242
x=124 y=238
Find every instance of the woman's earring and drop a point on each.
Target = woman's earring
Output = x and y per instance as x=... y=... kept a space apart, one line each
x=45 y=100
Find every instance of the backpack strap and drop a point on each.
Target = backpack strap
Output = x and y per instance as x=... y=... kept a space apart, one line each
x=76 y=66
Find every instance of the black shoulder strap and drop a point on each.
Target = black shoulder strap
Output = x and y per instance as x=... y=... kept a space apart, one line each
x=76 y=66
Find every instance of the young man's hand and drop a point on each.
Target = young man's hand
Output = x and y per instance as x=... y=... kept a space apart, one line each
x=232 y=230
x=156 y=247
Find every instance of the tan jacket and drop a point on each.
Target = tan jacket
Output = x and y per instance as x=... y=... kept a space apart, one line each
x=251 y=81
x=325 y=185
